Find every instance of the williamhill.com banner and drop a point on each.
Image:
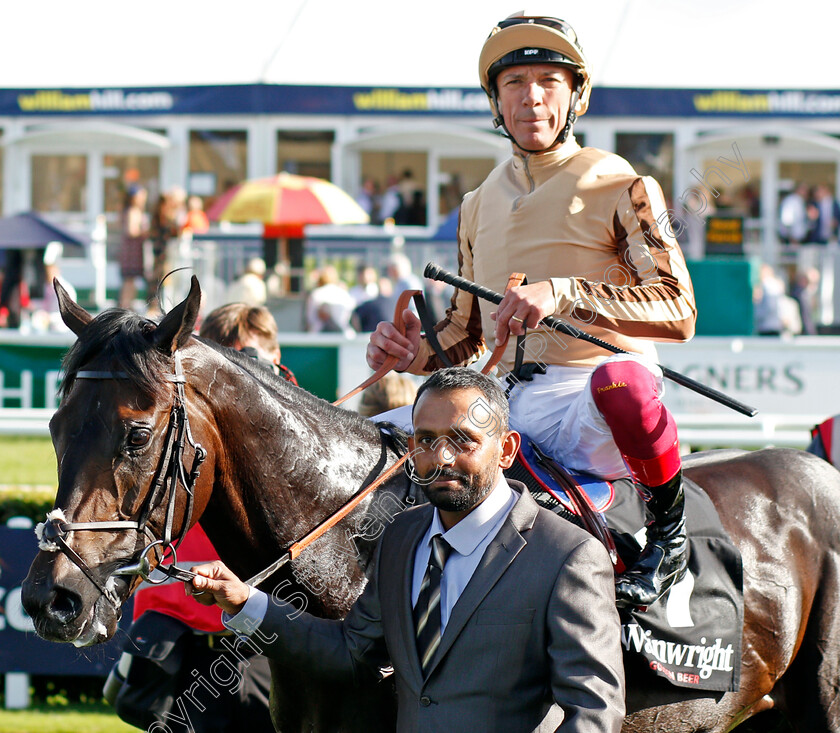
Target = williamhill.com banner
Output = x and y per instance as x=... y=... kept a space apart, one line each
x=432 y=101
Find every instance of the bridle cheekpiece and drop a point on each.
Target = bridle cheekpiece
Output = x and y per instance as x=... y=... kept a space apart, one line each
x=171 y=471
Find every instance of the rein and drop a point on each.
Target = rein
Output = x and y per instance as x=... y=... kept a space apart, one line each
x=171 y=471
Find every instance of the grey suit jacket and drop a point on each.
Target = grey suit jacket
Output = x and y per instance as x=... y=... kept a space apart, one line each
x=533 y=643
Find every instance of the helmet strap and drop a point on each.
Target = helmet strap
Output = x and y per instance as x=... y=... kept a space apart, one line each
x=571 y=117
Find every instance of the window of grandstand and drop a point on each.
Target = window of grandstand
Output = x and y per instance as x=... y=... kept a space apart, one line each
x=305 y=152
x=59 y=183
x=121 y=172
x=408 y=171
x=457 y=176
x=651 y=154
x=220 y=158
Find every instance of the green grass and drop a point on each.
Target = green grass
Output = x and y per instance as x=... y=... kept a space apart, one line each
x=71 y=719
x=27 y=461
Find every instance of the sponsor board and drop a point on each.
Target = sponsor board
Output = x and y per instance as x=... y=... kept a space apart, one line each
x=21 y=649
x=340 y=100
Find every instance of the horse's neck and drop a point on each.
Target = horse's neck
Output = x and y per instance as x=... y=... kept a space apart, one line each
x=286 y=460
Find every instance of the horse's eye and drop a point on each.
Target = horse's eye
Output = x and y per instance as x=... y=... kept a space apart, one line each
x=138 y=437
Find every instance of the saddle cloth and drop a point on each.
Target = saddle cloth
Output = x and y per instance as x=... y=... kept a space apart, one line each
x=691 y=637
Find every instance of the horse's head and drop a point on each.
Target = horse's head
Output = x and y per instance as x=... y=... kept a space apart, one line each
x=125 y=453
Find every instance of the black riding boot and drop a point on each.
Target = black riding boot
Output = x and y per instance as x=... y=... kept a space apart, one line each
x=664 y=559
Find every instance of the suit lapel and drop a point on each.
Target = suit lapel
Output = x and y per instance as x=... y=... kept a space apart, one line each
x=497 y=558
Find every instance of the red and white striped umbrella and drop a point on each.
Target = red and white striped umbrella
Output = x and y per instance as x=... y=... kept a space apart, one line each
x=287 y=200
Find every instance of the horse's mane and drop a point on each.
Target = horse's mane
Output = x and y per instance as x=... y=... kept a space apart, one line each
x=304 y=402
x=124 y=341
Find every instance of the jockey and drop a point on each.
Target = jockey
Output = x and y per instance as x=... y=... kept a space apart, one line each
x=595 y=241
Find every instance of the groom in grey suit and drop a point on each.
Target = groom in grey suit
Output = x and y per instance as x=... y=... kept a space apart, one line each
x=496 y=615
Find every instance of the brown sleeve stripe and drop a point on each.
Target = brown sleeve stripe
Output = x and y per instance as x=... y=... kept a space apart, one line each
x=471 y=343
x=655 y=303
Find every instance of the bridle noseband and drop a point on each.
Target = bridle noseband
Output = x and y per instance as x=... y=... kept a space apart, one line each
x=170 y=472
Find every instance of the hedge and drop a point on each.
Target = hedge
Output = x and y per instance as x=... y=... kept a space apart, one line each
x=32 y=503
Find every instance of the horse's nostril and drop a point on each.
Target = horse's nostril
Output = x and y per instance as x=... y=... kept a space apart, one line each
x=65 y=605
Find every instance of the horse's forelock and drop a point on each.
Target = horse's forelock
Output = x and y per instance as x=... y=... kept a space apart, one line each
x=119 y=340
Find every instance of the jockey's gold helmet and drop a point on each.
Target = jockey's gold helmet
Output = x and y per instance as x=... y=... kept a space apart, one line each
x=530 y=39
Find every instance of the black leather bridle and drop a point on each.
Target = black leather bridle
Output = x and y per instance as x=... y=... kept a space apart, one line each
x=171 y=471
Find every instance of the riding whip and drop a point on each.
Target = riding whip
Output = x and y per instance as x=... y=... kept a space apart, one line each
x=434 y=272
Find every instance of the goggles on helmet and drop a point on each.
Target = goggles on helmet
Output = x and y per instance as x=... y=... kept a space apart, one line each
x=556 y=23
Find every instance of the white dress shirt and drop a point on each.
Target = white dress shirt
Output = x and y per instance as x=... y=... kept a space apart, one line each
x=468 y=540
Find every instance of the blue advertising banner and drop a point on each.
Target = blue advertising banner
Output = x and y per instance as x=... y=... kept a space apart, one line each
x=241 y=99
x=21 y=649
x=434 y=101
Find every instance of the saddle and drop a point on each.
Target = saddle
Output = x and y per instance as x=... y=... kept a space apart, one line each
x=577 y=497
x=691 y=637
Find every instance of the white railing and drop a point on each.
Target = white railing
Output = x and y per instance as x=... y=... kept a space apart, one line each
x=25 y=421
x=695 y=431
x=737 y=431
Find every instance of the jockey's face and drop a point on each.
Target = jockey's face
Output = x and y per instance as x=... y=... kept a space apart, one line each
x=534 y=101
x=458 y=449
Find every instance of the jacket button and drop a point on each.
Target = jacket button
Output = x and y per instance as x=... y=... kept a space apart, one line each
x=425 y=701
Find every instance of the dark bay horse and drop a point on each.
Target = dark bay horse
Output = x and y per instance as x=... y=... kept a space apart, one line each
x=280 y=460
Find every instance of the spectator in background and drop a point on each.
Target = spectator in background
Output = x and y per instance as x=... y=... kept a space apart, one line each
x=793 y=216
x=451 y=193
x=48 y=317
x=249 y=287
x=165 y=226
x=14 y=292
x=417 y=210
x=329 y=305
x=804 y=292
x=135 y=231
x=368 y=199
x=249 y=329
x=825 y=217
x=367 y=316
x=407 y=187
x=196 y=220
x=399 y=271
x=752 y=202
x=366 y=286
x=392 y=200
x=775 y=313
x=392 y=391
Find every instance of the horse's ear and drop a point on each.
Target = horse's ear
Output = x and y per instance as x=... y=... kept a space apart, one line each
x=74 y=316
x=177 y=326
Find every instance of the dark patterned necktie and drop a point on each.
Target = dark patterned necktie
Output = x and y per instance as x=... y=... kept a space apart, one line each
x=427 y=620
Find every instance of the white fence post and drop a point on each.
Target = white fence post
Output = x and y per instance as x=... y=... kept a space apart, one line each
x=17 y=690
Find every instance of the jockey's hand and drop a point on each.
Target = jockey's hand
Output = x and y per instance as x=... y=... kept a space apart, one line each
x=215 y=583
x=523 y=306
x=387 y=341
